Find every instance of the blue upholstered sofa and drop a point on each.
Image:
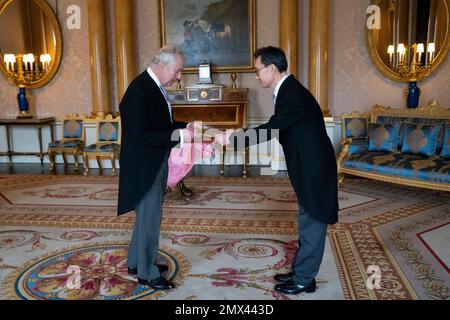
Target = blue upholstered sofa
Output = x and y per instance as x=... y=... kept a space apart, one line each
x=404 y=146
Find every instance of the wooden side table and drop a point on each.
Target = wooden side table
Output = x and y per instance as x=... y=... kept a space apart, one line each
x=228 y=113
x=37 y=123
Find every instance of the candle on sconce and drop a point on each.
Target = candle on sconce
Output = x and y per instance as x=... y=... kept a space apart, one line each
x=420 y=49
x=9 y=60
x=431 y=49
x=391 y=52
x=26 y=61
x=401 y=51
x=45 y=60
x=31 y=57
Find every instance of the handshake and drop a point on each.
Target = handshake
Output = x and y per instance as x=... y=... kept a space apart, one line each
x=195 y=131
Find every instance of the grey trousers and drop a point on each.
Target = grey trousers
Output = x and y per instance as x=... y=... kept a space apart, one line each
x=311 y=246
x=143 y=249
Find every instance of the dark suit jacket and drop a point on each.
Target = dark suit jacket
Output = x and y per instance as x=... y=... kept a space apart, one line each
x=309 y=153
x=146 y=139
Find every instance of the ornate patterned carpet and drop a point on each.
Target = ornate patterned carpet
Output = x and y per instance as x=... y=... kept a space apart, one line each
x=60 y=238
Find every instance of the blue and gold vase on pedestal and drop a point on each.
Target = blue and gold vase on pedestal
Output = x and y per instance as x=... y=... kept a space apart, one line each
x=413 y=95
x=23 y=105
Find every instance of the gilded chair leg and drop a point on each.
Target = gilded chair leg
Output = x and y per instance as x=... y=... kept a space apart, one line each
x=99 y=162
x=113 y=165
x=64 y=156
x=51 y=157
x=75 y=159
x=340 y=179
x=85 y=164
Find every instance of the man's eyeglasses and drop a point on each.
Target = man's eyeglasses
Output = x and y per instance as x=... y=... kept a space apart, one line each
x=257 y=70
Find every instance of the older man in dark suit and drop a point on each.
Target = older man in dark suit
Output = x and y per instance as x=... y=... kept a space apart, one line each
x=147 y=130
x=310 y=161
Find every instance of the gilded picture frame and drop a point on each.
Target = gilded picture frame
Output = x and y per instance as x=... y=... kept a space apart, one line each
x=222 y=33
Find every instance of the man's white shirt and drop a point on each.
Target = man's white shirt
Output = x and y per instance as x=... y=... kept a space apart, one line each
x=277 y=88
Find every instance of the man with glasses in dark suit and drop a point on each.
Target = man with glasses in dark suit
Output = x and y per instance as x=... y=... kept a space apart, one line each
x=310 y=161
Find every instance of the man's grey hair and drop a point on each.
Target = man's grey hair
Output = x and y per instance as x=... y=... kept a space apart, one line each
x=167 y=55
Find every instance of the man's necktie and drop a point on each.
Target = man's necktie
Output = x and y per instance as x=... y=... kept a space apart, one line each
x=166 y=95
x=274 y=99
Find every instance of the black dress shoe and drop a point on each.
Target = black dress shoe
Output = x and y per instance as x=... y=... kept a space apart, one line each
x=292 y=288
x=162 y=268
x=132 y=271
x=283 y=277
x=160 y=283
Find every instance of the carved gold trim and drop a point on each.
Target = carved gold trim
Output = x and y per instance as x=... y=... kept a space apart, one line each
x=433 y=110
x=58 y=49
x=397 y=180
x=387 y=72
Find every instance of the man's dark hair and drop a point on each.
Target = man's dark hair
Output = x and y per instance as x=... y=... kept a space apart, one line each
x=273 y=55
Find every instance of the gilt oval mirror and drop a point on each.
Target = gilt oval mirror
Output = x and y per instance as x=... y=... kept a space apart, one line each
x=409 y=38
x=30 y=42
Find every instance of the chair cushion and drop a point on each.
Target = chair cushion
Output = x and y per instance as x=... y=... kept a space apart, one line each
x=420 y=139
x=66 y=144
x=358 y=146
x=112 y=147
x=383 y=137
x=355 y=127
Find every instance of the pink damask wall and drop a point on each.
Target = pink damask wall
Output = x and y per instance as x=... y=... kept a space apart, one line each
x=354 y=83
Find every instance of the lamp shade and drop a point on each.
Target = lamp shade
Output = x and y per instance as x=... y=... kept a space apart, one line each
x=420 y=48
x=9 y=58
x=390 y=49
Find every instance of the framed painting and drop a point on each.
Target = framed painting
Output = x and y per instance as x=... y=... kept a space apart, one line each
x=219 y=32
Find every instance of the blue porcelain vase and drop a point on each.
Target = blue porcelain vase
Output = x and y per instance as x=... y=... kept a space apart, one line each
x=23 y=104
x=413 y=95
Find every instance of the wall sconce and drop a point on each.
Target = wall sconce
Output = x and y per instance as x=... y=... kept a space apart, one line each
x=412 y=68
x=22 y=69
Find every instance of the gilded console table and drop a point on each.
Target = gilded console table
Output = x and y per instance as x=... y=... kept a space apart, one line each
x=228 y=112
x=37 y=123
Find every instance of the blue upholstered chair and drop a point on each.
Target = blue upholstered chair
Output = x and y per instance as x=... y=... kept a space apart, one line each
x=107 y=143
x=72 y=140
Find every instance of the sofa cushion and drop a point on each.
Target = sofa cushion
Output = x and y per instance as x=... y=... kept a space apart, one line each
x=383 y=137
x=418 y=167
x=445 y=152
x=420 y=139
x=358 y=146
x=394 y=120
x=355 y=127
